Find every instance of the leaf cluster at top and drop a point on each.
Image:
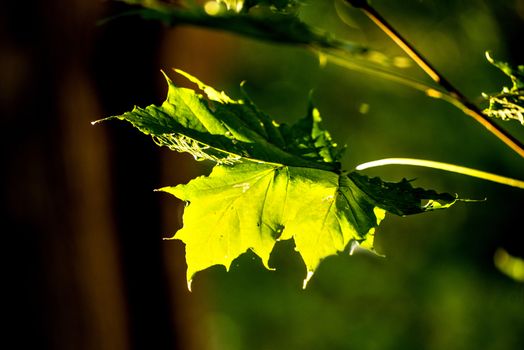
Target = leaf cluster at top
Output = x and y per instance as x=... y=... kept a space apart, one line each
x=269 y=20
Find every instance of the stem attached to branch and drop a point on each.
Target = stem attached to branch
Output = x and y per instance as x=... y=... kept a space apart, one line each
x=461 y=101
x=363 y=66
x=446 y=167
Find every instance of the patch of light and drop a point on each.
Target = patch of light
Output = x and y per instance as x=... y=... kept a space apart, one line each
x=212 y=8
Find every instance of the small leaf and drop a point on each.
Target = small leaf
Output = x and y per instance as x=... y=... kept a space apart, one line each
x=509 y=103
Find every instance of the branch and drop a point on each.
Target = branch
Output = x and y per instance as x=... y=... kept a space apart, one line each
x=461 y=101
x=364 y=67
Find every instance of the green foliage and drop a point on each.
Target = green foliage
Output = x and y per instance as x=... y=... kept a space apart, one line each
x=509 y=103
x=511 y=266
x=272 y=182
x=229 y=130
x=270 y=20
x=275 y=5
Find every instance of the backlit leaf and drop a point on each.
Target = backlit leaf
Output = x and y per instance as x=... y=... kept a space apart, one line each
x=509 y=103
x=271 y=182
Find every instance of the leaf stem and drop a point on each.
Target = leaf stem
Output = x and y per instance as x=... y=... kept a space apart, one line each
x=359 y=66
x=446 y=167
x=461 y=101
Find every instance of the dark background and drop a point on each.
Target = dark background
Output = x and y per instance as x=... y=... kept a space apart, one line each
x=86 y=267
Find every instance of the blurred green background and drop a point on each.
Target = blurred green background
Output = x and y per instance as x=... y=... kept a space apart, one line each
x=89 y=269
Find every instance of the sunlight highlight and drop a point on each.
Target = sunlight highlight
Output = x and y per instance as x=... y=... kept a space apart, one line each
x=511 y=266
x=308 y=277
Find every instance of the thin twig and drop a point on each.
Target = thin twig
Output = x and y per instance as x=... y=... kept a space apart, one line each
x=446 y=167
x=462 y=101
x=362 y=66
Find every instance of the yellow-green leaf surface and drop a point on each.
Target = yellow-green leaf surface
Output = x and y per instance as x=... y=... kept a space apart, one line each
x=272 y=182
x=251 y=206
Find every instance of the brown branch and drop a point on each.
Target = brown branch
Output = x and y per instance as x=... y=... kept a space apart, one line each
x=462 y=101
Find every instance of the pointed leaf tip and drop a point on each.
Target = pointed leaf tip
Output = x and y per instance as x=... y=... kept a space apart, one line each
x=488 y=56
x=168 y=79
x=353 y=246
x=306 y=280
x=94 y=122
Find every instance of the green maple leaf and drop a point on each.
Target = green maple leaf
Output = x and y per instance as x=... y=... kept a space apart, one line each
x=509 y=103
x=230 y=130
x=272 y=182
x=251 y=206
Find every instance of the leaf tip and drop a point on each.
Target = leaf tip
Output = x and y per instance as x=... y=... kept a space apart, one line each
x=353 y=245
x=168 y=79
x=169 y=238
x=489 y=57
x=189 y=283
x=306 y=280
x=471 y=200
x=187 y=76
x=94 y=122
x=167 y=189
x=376 y=253
x=265 y=262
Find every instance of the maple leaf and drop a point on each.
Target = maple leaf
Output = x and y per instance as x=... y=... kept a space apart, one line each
x=230 y=130
x=272 y=182
x=251 y=206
